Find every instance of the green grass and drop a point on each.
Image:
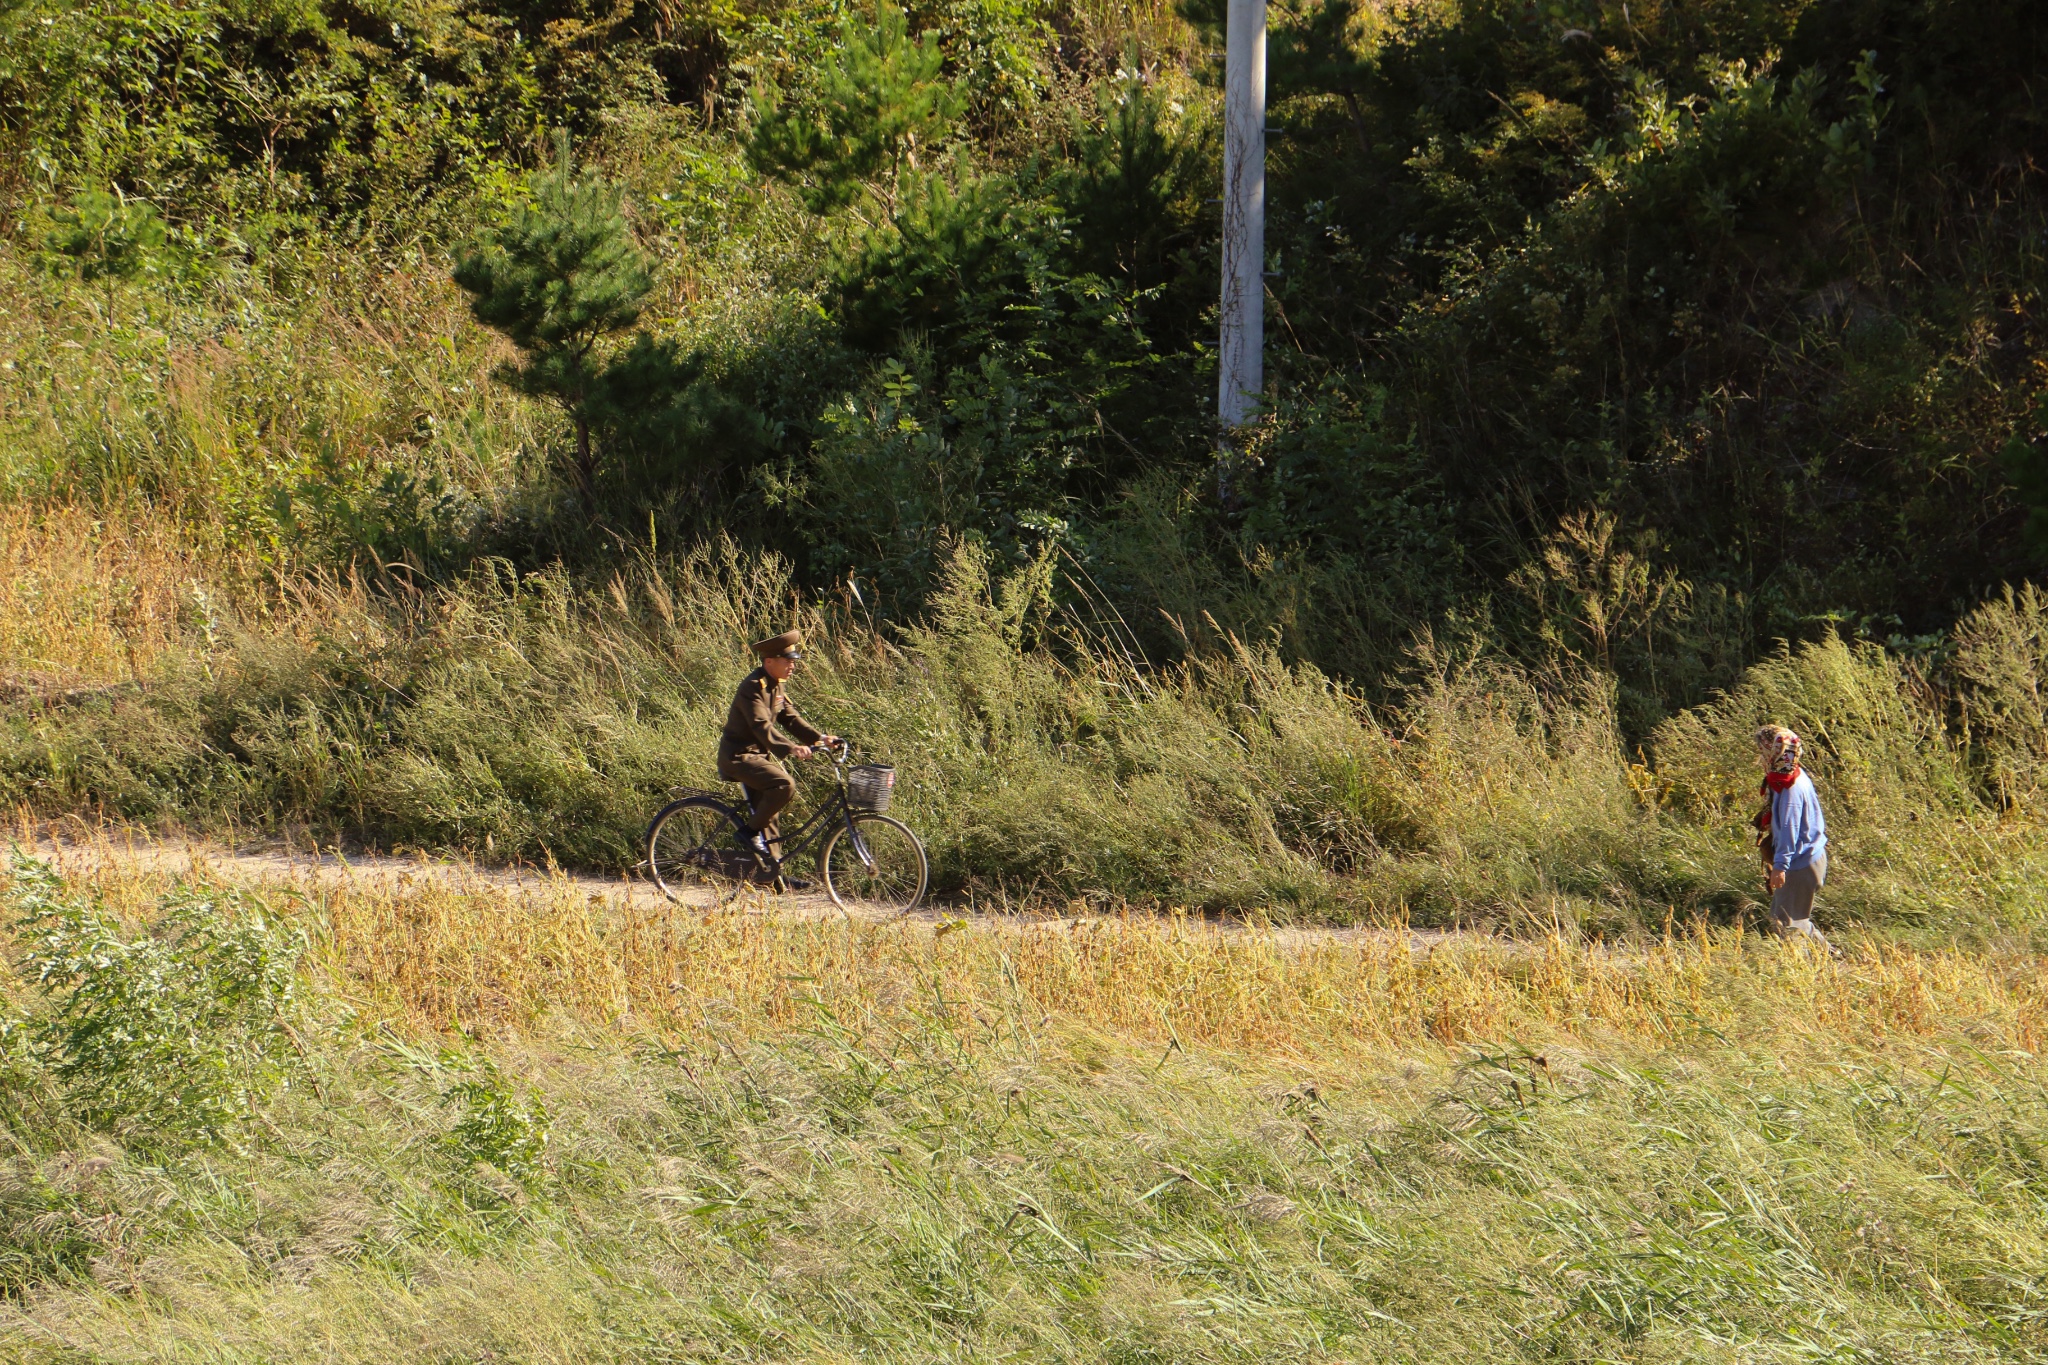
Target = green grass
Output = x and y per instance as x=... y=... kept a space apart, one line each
x=923 y=1183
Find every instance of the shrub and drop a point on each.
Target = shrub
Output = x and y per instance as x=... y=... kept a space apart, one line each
x=503 y=1130
x=172 y=1034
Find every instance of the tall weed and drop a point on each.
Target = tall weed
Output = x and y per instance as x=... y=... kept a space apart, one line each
x=355 y=420
x=2001 y=657
x=1911 y=838
x=88 y=601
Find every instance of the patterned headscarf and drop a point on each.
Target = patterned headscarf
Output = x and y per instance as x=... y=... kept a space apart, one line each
x=1780 y=750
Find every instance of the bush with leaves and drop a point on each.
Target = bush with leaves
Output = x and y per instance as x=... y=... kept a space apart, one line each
x=500 y=1129
x=175 y=1033
x=2026 y=465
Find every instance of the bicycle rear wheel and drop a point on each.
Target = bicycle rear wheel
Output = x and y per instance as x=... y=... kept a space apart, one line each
x=884 y=870
x=691 y=856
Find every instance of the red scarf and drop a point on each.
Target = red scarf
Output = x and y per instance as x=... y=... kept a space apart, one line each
x=1777 y=782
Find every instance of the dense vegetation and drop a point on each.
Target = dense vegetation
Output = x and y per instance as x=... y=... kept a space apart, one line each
x=1652 y=335
x=540 y=720
x=443 y=393
x=410 y=408
x=528 y=1129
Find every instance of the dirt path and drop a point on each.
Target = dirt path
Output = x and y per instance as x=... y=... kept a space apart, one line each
x=281 y=865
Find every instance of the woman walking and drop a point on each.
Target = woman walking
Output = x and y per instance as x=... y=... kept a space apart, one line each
x=1794 y=835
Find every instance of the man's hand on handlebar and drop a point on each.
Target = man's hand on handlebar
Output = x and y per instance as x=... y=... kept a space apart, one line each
x=824 y=742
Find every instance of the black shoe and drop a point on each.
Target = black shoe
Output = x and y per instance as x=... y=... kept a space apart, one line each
x=755 y=843
x=796 y=884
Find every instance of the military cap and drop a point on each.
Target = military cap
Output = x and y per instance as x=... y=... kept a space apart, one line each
x=788 y=645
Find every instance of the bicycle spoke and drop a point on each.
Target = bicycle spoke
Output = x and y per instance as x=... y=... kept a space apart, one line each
x=878 y=866
x=691 y=856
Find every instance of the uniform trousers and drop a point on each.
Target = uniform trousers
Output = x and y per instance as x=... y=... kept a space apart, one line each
x=769 y=787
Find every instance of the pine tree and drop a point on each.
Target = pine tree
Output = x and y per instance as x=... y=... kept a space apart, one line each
x=1130 y=166
x=558 y=277
x=879 y=105
x=110 y=236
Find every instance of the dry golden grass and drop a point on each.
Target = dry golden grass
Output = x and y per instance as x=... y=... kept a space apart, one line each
x=446 y=958
x=86 y=601
x=438 y=955
x=988 y=1149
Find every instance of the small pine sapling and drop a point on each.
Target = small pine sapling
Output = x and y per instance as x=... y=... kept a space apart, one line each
x=879 y=103
x=109 y=236
x=557 y=277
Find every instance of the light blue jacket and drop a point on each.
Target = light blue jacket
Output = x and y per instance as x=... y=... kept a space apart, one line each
x=1797 y=828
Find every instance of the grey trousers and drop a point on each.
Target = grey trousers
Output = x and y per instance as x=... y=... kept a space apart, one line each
x=1792 y=903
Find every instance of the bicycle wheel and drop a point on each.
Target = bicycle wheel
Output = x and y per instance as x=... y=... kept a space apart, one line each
x=885 y=872
x=691 y=855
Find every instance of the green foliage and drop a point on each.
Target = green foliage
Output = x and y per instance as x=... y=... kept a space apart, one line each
x=1313 y=47
x=109 y=236
x=272 y=120
x=1124 y=194
x=878 y=106
x=1559 y=236
x=1019 y=386
x=169 y=1036
x=994 y=429
x=557 y=277
x=997 y=51
x=501 y=1129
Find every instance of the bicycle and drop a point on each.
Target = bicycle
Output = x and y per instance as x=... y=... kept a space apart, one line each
x=867 y=860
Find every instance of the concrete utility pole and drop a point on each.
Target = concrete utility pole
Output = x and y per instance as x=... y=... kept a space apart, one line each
x=1241 y=376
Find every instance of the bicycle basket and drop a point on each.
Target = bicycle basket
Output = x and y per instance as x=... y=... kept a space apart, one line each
x=870 y=785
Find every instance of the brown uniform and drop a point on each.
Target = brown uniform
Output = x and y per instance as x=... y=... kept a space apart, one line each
x=754 y=737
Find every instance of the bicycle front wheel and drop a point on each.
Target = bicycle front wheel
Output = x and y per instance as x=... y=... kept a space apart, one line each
x=879 y=867
x=691 y=856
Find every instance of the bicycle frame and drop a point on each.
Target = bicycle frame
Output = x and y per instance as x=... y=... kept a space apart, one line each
x=836 y=807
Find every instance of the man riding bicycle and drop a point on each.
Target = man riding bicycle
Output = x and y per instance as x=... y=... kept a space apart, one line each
x=868 y=860
x=761 y=727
